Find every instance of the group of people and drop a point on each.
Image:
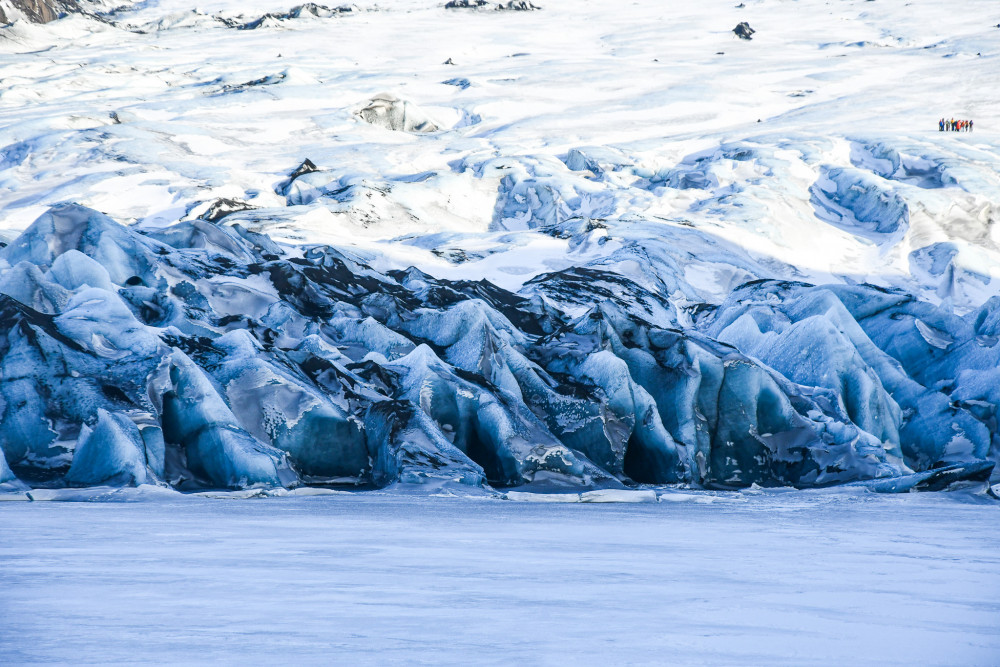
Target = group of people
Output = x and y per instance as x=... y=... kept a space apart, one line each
x=952 y=125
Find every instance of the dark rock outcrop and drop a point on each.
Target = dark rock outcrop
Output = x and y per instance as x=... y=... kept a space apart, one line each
x=300 y=11
x=517 y=6
x=36 y=11
x=511 y=5
x=220 y=208
x=744 y=31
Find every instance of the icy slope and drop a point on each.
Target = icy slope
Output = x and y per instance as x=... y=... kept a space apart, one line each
x=205 y=355
x=585 y=245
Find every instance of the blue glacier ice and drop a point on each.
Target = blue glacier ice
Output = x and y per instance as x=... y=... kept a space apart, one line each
x=204 y=355
x=112 y=453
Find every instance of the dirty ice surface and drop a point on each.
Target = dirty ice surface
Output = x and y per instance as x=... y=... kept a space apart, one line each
x=820 y=577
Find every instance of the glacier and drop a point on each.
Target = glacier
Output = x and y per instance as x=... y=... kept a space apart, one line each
x=196 y=357
x=284 y=247
x=486 y=331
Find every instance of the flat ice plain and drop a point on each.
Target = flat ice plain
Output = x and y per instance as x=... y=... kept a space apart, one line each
x=829 y=577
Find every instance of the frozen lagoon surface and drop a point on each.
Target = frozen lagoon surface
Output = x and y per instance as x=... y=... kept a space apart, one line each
x=835 y=577
x=629 y=246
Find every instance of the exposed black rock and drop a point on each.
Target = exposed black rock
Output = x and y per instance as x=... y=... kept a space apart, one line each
x=220 y=208
x=269 y=80
x=37 y=11
x=307 y=167
x=511 y=5
x=517 y=6
x=299 y=11
x=744 y=31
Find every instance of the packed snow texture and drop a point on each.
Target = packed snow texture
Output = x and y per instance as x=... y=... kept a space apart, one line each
x=254 y=246
x=772 y=578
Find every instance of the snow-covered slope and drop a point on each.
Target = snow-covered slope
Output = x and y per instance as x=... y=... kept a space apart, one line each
x=584 y=245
